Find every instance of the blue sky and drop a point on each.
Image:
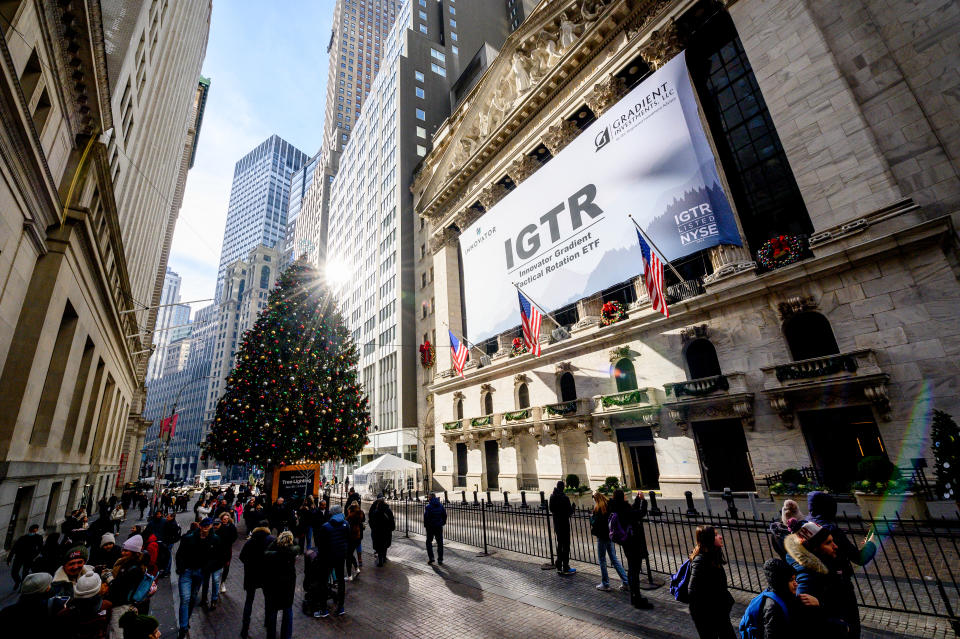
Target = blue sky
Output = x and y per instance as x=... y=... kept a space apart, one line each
x=267 y=63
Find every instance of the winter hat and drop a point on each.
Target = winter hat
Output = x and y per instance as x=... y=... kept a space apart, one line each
x=77 y=552
x=135 y=625
x=790 y=510
x=336 y=510
x=560 y=485
x=778 y=574
x=206 y=522
x=107 y=538
x=36 y=583
x=134 y=544
x=812 y=535
x=821 y=505
x=87 y=586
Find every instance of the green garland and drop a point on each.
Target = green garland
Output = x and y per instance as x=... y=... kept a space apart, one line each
x=453 y=425
x=565 y=408
x=622 y=399
x=517 y=414
x=481 y=421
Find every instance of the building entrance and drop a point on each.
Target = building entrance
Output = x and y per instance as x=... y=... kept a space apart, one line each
x=838 y=439
x=723 y=453
x=492 y=453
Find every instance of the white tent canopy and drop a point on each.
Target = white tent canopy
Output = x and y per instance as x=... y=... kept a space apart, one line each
x=387 y=472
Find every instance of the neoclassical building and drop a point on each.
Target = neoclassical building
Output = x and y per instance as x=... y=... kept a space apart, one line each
x=835 y=140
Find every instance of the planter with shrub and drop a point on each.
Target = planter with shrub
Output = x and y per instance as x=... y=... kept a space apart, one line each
x=881 y=491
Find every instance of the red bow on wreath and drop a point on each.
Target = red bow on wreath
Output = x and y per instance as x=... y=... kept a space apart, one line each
x=517 y=342
x=780 y=247
x=609 y=307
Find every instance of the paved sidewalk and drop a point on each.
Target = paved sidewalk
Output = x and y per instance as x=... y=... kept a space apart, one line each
x=501 y=595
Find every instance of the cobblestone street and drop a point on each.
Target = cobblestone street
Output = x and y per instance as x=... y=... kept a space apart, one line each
x=502 y=595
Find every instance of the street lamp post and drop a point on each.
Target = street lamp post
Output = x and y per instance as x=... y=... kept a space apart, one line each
x=160 y=473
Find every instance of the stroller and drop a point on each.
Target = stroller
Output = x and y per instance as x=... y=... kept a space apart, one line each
x=317 y=582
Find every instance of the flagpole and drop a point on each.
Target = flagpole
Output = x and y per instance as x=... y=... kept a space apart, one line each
x=465 y=340
x=548 y=315
x=654 y=246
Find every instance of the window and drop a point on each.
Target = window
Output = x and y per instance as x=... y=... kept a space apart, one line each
x=453 y=36
x=438 y=55
x=701 y=359
x=809 y=335
x=453 y=23
x=459 y=408
x=438 y=69
x=423 y=28
x=423 y=15
x=421 y=132
x=421 y=114
x=418 y=75
x=455 y=50
x=488 y=403
x=625 y=376
x=523 y=396
x=420 y=93
x=421 y=150
x=568 y=388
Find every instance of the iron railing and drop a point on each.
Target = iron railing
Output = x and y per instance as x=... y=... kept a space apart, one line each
x=915 y=569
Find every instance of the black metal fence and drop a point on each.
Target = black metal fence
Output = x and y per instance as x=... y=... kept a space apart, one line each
x=915 y=569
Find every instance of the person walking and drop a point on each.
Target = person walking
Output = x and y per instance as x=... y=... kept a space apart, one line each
x=279 y=563
x=778 y=530
x=356 y=519
x=382 y=526
x=710 y=600
x=213 y=571
x=822 y=509
x=279 y=516
x=625 y=527
x=562 y=510
x=780 y=607
x=434 y=519
x=254 y=571
x=600 y=530
x=302 y=530
x=104 y=556
x=333 y=548
x=24 y=552
x=116 y=516
x=228 y=536
x=815 y=557
x=87 y=615
x=196 y=547
x=171 y=534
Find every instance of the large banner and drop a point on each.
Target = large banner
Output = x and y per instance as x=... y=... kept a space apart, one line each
x=564 y=233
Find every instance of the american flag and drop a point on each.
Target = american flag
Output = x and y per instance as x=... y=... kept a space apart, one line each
x=653 y=277
x=459 y=353
x=530 y=321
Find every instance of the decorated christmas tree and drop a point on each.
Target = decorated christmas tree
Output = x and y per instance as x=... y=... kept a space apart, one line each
x=293 y=394
x=946 y=455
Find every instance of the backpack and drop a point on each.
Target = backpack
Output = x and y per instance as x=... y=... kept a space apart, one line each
x=679 y=582
x=751 y=623
x=619 y=534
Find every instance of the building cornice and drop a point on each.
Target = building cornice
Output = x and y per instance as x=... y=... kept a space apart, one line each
x=939 y=231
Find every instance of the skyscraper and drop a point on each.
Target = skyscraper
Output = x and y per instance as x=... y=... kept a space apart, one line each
x=257 y=212
x=169 y=314
x=299 y=185
x=373 y=235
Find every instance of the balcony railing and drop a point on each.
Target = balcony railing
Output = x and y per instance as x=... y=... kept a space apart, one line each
x=560 y=409
x=817 y=367
x=623 y=400
x=481 y=422
x=517 y=415
x=700 y=387
x=457 y=425
x=685 y=290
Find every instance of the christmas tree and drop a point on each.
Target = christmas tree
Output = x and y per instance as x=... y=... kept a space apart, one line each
x=946 y=455
x=293 y=394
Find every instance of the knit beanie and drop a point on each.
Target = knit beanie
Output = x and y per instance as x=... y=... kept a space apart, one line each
x=77 y=552
x=87 y=586
x=35 y=583
x=790 y=510
x=107 y=538
x=135 y=625
x=134 y=544
x=812 y=535
x=821 y=504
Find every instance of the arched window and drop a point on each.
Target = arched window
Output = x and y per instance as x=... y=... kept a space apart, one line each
x=488 y=404
x=265 y=277
x=523 y=396
x=459 y=409
x=702 y=359
x=240 y=290
x=809 y=335
x=568 y=388
x=625 y=376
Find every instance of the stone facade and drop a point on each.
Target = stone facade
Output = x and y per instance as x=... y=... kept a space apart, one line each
x=82 y=230
x=839 y=355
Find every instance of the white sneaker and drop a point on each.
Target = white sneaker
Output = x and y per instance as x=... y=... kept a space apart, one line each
x=603 y=587
x=223 y=587
x=624 y=588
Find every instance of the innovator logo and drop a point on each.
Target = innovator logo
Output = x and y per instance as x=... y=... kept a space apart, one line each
x=602 y=140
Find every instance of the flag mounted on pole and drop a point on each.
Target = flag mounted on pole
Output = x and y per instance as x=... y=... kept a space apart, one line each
x=530 y=322
x=459 y=353
x=653 y=277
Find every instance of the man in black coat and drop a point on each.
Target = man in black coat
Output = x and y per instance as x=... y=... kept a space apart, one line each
x=434 y=519
x=333 y=548
x=23 y=553
x=382 y=526
x=193 y=559
x=562 y=509
x=279 y=516
x=254 y=575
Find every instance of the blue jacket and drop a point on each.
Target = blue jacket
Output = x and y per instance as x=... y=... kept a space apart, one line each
x=434 y=515
x=334 y=536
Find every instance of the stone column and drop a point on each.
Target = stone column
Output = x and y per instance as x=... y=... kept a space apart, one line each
x=640 y=289
x=446 y=270
x=664 y=44
x=728 y=260
x=560 y=135
x=588 y=310
x=522 y=168
x=605 y=94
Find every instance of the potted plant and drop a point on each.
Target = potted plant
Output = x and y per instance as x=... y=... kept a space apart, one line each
x=579 y=495
x=610 y=484
x=881 y=491
x=793 y=485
